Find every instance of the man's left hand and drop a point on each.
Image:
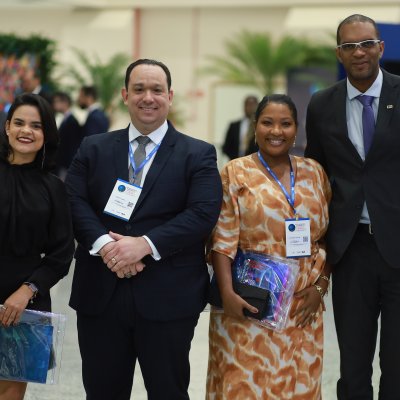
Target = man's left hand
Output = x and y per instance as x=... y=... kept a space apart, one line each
x=127 y=250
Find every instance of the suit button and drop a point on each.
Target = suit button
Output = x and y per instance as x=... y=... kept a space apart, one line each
x=359 y=206
x=128 y=227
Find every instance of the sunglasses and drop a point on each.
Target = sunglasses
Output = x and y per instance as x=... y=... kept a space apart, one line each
x=364 y=45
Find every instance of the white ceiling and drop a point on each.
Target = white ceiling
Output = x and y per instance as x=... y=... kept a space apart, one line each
x=73 y=4
x=29 y=4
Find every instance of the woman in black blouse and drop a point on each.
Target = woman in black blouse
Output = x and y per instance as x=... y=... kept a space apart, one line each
x=36 y=239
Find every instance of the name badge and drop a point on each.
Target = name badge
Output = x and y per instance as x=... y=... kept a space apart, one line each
x=298 y=237
x=122 y=200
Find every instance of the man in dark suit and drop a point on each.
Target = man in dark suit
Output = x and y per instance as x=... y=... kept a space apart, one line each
x=70 y=132
x=3 y=118
x=141 y=280
x=96 y=121
x=363 y=234
x=31 y=82
x=239 y=139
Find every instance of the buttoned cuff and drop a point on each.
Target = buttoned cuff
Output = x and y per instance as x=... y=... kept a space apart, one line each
x=154 y=253
x=99 y=243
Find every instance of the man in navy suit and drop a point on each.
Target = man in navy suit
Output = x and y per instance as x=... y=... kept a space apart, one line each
x=239 y=139
x=70 y=132
x=363 y=235
x=96 y=121
x=141 y=278
x=31 y=82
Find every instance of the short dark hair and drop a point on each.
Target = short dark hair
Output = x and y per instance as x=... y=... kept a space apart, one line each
x=90 y=91
x=148 y=61
x=356 y=18
x=63 y=96
x=251 y=98
x=278 y=99
x=47 y=154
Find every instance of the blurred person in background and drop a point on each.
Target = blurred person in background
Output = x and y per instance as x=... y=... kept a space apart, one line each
x=239 y=138
x=96 y=121
x=70 y=132
x=31 y=82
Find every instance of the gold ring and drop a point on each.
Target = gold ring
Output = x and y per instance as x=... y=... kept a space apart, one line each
x=128 y=275
x=114 y=260
x=3 y=307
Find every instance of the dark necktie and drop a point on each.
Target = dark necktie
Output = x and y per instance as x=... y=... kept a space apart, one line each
x=139 y=155
x=368 y=120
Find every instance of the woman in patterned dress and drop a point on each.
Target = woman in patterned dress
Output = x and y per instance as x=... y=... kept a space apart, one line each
x=246 y=360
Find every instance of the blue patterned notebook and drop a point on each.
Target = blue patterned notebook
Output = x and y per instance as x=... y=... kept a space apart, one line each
x=25 y=351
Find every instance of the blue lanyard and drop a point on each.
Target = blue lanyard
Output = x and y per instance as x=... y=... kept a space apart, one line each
x=137 y=169
x=291 y=198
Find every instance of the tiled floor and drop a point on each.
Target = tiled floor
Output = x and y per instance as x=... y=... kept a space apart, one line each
x=70 y=384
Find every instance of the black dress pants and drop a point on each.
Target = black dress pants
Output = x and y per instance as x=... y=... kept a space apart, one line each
x=111 y=343
x=364 y=288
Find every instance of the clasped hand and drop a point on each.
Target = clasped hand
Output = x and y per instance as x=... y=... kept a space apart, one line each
x=124 y=255
x=309 y=307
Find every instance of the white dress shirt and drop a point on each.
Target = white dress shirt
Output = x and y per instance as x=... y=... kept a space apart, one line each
x=156 y=137
x=354 y=110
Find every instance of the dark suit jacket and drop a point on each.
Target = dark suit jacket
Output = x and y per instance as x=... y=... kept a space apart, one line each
x=375 y=181
x=96 y=122
x=177 y=209
x=232 y=140
x=70 y=138
x=46 y=94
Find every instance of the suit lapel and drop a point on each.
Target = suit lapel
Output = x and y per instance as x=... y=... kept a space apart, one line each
x=120 y=153
x=339 y=103
x=160 y=159
x=387 y=103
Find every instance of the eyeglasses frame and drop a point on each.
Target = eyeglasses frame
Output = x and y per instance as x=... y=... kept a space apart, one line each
x=358 y=45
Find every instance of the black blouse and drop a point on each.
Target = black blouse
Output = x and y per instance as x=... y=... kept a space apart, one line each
x=36 y=239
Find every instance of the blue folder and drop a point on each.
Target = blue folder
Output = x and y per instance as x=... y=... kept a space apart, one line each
x=25 y=351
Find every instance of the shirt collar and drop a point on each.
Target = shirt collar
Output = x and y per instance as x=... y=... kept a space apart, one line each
x=37 y=89
x=155 y=136
x=374 y=90
x=94 y=106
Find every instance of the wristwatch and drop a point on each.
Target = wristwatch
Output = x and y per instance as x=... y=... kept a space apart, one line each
x=34 y=289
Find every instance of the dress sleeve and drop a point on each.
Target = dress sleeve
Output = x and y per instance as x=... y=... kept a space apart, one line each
x=59 y=249
x=225 y=238
x=325 y=184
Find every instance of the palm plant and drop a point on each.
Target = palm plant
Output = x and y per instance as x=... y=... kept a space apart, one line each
x=108 y=77
x=253 y=59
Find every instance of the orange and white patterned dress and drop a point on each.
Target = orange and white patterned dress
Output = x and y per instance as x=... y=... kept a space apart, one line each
x=248 y=361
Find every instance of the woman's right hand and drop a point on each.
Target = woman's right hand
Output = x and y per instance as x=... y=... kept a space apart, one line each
x=233 y=305
x=14 y=306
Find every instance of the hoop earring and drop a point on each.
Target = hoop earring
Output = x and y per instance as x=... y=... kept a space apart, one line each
x=43 y=154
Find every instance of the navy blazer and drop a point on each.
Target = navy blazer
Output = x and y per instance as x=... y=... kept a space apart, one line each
x=70 y=138
x=177 y=209
x=231 y=145
x=375 y=181
x=96 y=122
